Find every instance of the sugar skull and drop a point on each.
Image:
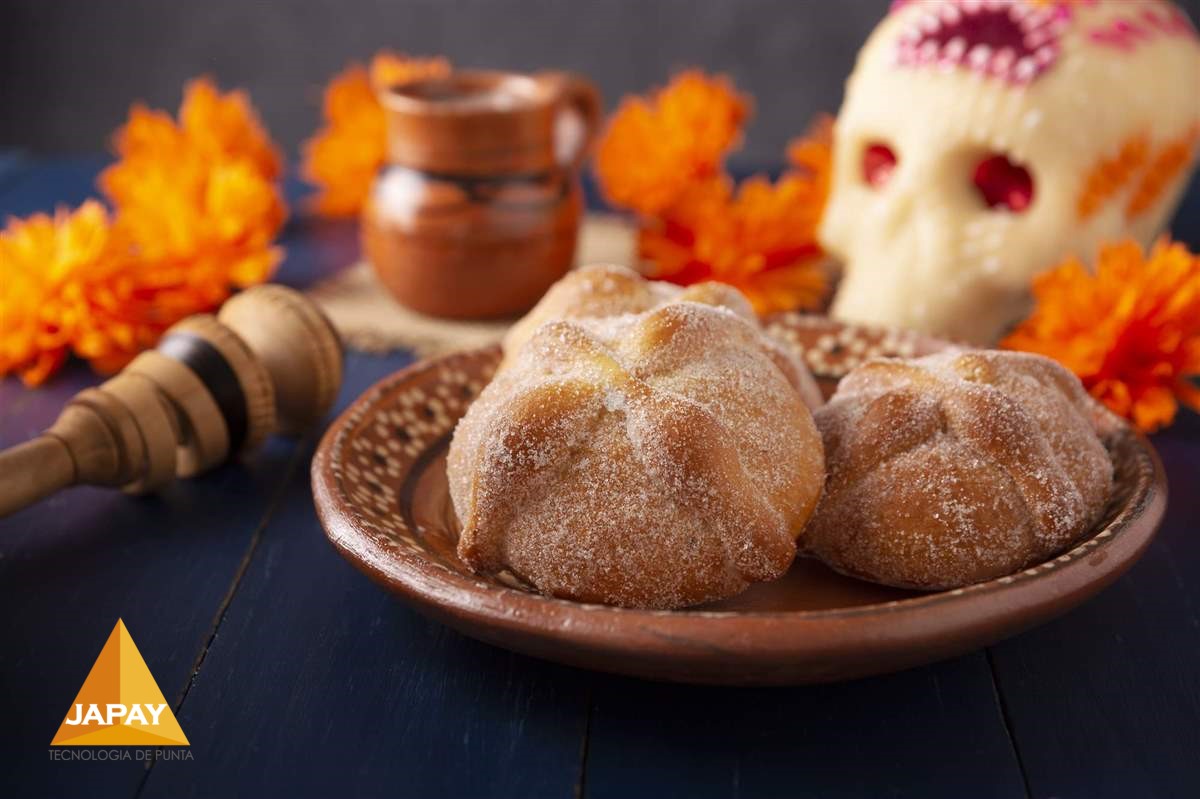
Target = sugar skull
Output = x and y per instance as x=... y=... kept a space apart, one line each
x=981 y=141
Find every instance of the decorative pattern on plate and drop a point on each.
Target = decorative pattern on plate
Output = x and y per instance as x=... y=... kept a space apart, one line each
x=380 y=488
x=831 y=349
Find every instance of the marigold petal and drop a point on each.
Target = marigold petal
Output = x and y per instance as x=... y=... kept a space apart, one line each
x=1130 y=331
x=196 y=212
x=653 y=149
x=346 y=154
x=759 y=237
x=225 y=126
x=42 y=366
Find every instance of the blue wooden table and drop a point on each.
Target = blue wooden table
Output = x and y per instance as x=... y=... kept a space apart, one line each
x=293 y=675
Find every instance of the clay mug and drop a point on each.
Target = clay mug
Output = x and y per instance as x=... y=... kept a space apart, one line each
x=477 y=211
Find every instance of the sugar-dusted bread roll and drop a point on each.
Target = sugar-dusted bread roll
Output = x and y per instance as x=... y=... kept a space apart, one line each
x=603 y=290
x=958 y=467
x=655 y=458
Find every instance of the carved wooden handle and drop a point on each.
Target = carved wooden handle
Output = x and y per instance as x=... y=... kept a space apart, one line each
x=32 y=471
x=213 y=388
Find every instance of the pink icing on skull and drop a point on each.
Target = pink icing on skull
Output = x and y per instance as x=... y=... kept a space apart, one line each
x=976 y=145
x=1015 y=41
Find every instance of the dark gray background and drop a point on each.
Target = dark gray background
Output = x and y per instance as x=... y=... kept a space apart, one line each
x=70 y=68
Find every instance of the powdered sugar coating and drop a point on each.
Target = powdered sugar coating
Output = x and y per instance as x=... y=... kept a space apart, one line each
x=958 y=467
x=603 y=290
x=653 y=459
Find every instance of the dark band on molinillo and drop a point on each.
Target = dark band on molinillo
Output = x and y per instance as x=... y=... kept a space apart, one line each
x=217 y=375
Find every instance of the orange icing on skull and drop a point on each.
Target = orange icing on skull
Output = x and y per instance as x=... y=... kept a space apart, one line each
x=1110 y=175
x=1149 y=173
x=1170 y=161
x=981 y=141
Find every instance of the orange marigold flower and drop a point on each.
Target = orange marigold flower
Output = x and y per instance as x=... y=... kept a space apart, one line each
x=653 y=149
x=343 y=158
x=67 y=284
x=760 y=238
x=198 y=198
x=1131 y=331
x=196 y=214
x=225 y=128
x=662 y=158
x=811 y=155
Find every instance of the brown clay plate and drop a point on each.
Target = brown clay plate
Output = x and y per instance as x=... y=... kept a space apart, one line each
x=380 y=487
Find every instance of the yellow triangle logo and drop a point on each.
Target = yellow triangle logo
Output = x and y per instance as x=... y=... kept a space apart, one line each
x=119 y=703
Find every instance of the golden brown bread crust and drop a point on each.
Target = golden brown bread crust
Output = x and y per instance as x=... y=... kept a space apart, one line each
x=604 y=290
x=957 y=468
x=656 y=460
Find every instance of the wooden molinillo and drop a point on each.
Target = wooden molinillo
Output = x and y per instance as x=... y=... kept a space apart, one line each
x=216 y=386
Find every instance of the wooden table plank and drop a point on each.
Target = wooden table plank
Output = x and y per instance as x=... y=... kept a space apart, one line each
x=319 y=683
x=295 y=653
x=1106 y=700
x=930 y=732
x=71 y=566
x=46 y=184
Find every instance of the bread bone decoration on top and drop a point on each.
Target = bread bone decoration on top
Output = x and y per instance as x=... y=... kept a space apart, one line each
x=958 y=467
x=657 y=458
x=603 y=290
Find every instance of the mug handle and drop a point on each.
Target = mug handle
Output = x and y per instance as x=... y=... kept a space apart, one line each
x=581 y=95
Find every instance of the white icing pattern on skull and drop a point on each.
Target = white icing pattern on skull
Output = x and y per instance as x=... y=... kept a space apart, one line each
x=982 y=141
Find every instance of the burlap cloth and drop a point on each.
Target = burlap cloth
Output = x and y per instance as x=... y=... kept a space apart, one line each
x=369 y=319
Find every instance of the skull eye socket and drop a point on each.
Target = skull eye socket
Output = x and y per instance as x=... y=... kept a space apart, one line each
x=878 y=163
x=1003 y=184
